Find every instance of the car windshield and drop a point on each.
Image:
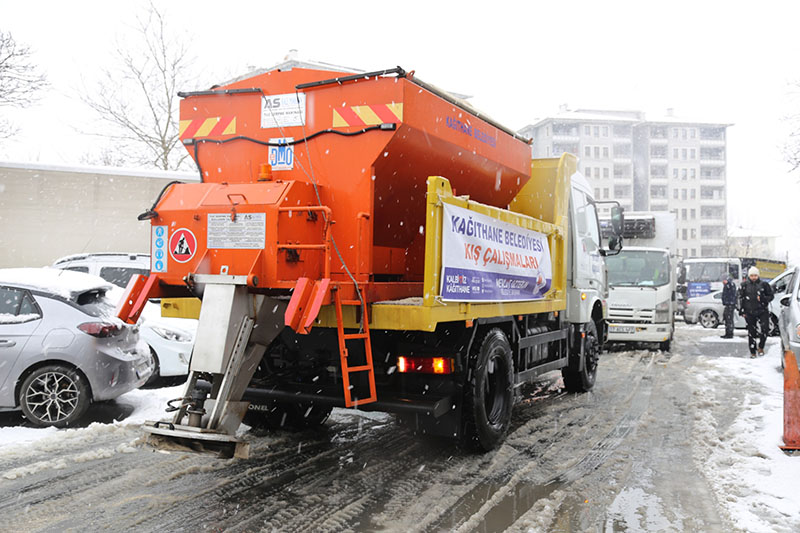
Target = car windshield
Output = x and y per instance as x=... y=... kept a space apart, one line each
x=706 y=271
x=638 y=268
x=95 y=303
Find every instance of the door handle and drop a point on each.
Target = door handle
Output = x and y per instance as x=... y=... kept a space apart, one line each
x=7 y=344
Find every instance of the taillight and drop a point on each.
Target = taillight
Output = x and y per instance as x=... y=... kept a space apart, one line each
x=424 y=365
x=687 y=302
x=99 y=329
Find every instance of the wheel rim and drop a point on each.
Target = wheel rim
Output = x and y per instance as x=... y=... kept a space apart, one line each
x=52 y=397
x=707 y=319
x=495 y=387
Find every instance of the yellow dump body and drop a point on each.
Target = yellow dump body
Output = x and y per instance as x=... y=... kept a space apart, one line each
x=541 y=205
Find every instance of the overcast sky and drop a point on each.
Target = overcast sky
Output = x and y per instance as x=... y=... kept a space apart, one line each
x=731 y=62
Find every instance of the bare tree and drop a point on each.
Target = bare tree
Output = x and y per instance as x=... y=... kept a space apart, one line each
x=20 y=80
x=138 y=97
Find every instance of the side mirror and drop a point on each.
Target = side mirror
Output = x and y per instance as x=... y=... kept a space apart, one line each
x=785 y=300
x=617 y=221
x=615 y=243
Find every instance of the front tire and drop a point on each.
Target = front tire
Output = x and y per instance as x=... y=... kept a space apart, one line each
x=489 y=392
x=583 y=380
x=156 y=369
x=54 y=395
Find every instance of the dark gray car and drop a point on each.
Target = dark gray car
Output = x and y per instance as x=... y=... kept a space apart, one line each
x=61 y=347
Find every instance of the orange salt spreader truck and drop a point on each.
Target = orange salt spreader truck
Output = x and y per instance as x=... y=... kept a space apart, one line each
x=366 y=240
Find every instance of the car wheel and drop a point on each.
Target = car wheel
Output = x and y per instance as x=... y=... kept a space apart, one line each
x=776 y=330
x=489 y=393
x=583 y=380
x=708 y=319
x=54 y=395
x=156 y=369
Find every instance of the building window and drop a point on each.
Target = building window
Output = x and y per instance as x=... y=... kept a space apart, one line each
x=596 y=172
x=605 y=172
x=694 y=250
x=693 y=173
x=674 y=133
x=694 y=153
x=597 y=193
x=684 y=233
x=675 y=193
x=605 y=151
x=605 y=192
x=683 y=194
x=587 y=130
x=691 y=135
x=674 y=172
x=683 y=217
x=597 y=131
x=587 y=151
x=683 y=152
x=588 y=172
x=694 y=214
x=547 y=151
x=683 y=173
x=674 y=153
x=693 y=195
x=547 y=131
x=605 y=131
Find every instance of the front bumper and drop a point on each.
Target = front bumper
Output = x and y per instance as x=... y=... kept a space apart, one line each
x=631 y=332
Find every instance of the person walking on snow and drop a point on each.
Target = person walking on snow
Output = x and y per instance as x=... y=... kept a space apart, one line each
x=755 y=296
x=729 y=301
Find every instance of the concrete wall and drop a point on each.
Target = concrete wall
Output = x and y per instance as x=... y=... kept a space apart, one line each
x=47 y=212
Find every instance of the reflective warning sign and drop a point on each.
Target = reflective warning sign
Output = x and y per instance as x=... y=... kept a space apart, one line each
x=182 y=245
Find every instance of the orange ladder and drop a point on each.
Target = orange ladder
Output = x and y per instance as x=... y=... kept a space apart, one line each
x=343 y=352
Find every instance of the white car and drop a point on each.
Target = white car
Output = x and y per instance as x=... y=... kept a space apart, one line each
x=170 y=339
x=707 y=310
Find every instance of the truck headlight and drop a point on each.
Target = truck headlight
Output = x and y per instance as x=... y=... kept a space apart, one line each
x=171 y=334
x=662 y=312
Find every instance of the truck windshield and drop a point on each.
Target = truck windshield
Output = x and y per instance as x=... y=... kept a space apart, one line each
x=706 y=271
x=638 y=268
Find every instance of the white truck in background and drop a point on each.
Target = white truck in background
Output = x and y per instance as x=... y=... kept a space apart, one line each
x=642 y=279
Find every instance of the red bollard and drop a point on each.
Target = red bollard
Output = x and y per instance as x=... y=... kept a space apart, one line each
x=791 y=403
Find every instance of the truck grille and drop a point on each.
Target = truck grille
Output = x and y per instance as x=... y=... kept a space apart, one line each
x=622 y=314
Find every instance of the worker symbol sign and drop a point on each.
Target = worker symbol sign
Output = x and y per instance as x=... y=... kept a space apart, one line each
x=182 y=245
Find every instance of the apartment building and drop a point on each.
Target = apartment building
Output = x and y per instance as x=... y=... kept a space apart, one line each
x=648 y=164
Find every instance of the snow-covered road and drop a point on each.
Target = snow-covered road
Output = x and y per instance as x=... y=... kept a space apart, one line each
x=686 y=441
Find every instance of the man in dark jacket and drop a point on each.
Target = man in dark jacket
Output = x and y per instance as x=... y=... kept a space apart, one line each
x=755 y=296
x=729 y=301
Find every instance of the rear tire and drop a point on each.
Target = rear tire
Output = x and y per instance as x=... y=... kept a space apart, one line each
x=708 y=319
x=489 y=392
x=54 y=395
x=583 y=380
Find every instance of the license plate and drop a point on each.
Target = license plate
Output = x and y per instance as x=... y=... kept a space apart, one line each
x=622 y=329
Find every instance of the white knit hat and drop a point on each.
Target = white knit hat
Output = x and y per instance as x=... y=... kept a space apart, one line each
x=753 y=271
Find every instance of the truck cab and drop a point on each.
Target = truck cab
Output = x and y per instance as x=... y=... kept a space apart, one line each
x=642 y=280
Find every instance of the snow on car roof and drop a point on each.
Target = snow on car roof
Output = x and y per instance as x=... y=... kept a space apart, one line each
x=64 y=283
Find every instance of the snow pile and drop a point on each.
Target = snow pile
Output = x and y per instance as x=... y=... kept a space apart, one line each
x=751 y=477
x=147 y=405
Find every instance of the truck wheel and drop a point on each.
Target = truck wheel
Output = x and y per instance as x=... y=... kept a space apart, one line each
x=665 y=346
x=489 y=392
x=583 y=380
x=54 y=395
x=708 y=319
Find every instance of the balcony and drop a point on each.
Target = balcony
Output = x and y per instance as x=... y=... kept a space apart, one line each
x=658 y=140
x=564 y=137
x=712 y=162
x=712 y=142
